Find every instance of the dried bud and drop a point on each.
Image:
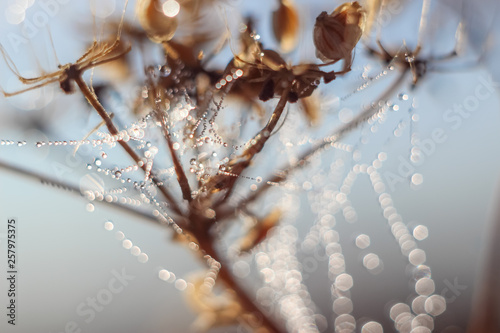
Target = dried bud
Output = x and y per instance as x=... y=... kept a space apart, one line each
x=159 y=22
x=336 y=35
x=286 y=25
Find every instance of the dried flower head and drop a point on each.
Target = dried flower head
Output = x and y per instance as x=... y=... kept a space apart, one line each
x=336 y=35
x=286 y=25
x=158 y=24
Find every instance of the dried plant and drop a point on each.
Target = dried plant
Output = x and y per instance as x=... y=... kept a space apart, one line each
x=200 y=128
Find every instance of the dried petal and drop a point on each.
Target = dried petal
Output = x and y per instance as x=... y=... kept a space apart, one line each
x=311 y=106
x=286 y=25
x=159 y=27
x=336 y=35
x=372 y=11
x=213 y=310
x=259 y=232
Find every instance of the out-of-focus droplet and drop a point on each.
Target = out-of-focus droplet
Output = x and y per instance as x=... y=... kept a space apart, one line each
x=417 y=257
x=435 y=305
x=362 y=241
x=241 y=269
x=102 y=8
x=417 y=179
x=90 y=207
x=342 y=305
x=425 y=286
x=108 y=225
x=180 y=284
x=420 y=232
x=372 y=327
x=127 y=244
x=164 y=275
x=344 y=282
x=143 y=258
x=159 y=27
x=171 y=8
x=398 y=309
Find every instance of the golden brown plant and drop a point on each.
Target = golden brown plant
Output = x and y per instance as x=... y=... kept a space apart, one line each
x=286 y=25
x=336 y=34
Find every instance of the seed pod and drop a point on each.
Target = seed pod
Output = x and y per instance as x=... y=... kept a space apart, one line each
x=286 y=25
x=336 y=35
x=159 y=27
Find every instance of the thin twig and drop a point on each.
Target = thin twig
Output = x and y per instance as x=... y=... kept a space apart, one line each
x=259 y=140
x=92 y=99
x=206 y=246
x=303 y=160
x=73 y=189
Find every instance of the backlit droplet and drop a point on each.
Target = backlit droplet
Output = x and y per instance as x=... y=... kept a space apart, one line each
x=417 y=257
x=135 y=250
x=180 y=284
x=417 y=179
x=363 y=241
x=371 y=261
x=420 y=232
x=344 y=282
x=143 y=258
x=398 y=309
x=241 y=269
x=108 y=225
x=435 y=305
x=372 y=327
x=127 y=244
x=342 y=305
x=425 y=286
x=89 y=207
x=164 y=275
x=120 y=235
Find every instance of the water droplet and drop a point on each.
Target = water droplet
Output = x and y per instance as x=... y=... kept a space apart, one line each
x=403 y=97
x=143 y=258
x=127 y=244
x=420 y=232
x=435 y=305
x=165 y=71
x=372 y=327
x=108 y=225
x=164 y=275
x=417 y=179
x=425 y=286
x=362 y=241
x=90 y=207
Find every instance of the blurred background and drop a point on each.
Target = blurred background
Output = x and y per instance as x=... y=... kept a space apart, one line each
x=433 y=146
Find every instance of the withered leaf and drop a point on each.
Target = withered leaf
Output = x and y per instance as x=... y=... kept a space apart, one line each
x=286 y=25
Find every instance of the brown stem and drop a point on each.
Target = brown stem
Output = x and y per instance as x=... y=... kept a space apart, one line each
x=228 y=212
x=181 y=175
x=262 y=137
x=47 y=180
x=206 y=246
x=260 y=140
x=92 y=99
